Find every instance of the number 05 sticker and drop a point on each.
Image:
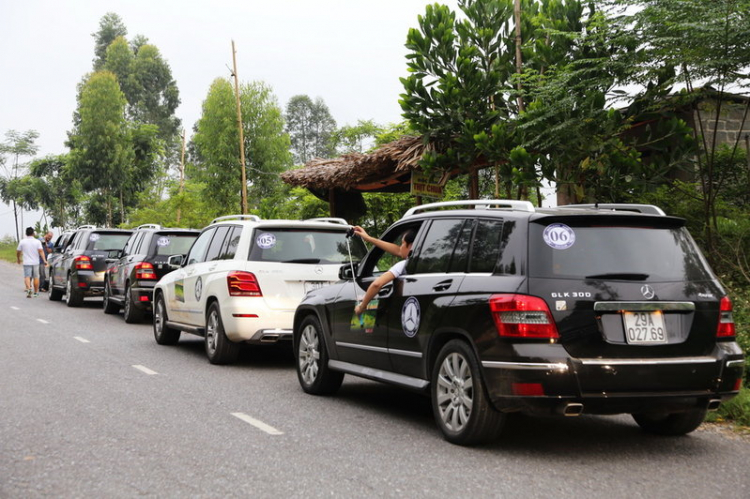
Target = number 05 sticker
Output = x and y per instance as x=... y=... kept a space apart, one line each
x=559 y=236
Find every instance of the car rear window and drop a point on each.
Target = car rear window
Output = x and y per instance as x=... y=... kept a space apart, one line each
x=312 y=246
x=103 y=241
x=563 y=250
x=171 y=244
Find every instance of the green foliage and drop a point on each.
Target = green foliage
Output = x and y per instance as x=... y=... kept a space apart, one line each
x=189 y=206
x=110 y=28
x=216 y=146
x=8 y=247
x=736 y=410
x=355 y=138
x=311 y=128
x=59 y=190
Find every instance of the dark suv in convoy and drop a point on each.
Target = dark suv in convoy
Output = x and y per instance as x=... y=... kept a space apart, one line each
x=130 y=279
x=506 y=308
x=79 y=271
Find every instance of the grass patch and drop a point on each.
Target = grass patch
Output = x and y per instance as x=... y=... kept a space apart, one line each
x=736 y=410
x=8 y=251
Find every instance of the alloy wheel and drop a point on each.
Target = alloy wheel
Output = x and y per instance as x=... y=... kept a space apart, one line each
x=309 y=355
x=455 y=391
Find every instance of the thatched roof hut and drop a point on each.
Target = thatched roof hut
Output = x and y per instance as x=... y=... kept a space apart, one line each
x=388 y=169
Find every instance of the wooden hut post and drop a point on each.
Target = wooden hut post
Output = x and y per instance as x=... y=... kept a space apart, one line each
x=332 y=202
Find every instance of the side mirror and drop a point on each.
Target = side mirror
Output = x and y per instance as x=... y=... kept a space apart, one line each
x=175 y=261
x=346 y=273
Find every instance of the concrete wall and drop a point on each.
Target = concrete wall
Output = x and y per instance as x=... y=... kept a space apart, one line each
x=729 y=125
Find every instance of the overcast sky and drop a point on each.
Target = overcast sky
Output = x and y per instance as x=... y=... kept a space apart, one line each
x=348 y=52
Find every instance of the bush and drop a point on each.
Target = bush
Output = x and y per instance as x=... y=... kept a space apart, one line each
x=737 y=410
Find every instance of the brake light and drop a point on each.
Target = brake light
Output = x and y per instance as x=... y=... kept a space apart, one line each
x=83 y=263
x=243 y=284
x=726 y=321
x=145 y=271
x=522 y=316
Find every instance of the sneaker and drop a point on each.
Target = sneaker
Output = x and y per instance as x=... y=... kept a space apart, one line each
x=28 y=293
x=36 y=295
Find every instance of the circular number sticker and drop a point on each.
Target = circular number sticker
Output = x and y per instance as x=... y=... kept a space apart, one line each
x=94 y=237
x=266 y=240
x=559 y=236
x=162 y=241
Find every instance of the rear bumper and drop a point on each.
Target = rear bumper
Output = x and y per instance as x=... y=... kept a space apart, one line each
x=611 y=386
x=141 y=295
x=89 y=283
x=248 y=324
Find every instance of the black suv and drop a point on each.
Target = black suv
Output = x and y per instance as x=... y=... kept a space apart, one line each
x=130 y=278
x=79 y=271
x=507 y=308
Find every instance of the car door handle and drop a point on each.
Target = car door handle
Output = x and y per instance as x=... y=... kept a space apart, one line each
x=443 y=285
x=385 y=290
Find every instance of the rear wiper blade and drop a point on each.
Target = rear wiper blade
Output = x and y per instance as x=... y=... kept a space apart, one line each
x=303 y=260
x=629 y=276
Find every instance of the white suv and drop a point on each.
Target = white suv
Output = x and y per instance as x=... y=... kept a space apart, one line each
x=244 y=277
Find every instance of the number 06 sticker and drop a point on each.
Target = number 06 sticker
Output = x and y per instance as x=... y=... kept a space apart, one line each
x=559 y=236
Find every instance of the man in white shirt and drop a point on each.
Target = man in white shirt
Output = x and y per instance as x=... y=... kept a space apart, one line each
x=30 y=251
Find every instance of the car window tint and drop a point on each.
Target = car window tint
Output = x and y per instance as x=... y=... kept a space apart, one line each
x=168 y=244
x=656 y=253
x=299 y=245
x=460 y=258
x=512 y=250
x=229 y=249
x=102 y=241
x=214 y=250
x=198 y=251
x=129 y=244
x=437 y=247
x=486 y=246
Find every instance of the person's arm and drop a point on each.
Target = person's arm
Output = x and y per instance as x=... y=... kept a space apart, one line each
x=373 y=290
x=392 y=248
x=42 y=256
x=18 y=255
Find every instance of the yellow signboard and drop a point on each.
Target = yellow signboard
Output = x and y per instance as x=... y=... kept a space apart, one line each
x=425 y=185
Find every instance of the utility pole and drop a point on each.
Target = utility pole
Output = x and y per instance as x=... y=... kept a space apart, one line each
x=243 y=195
x=182 y=175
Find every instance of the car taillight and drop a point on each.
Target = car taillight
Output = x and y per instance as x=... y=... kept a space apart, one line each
x=83 y=263
x=243 y=284
x=145 y=271
x=726 y=322
x=522 y=316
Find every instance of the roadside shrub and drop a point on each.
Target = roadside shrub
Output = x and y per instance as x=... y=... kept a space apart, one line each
x=736 y=410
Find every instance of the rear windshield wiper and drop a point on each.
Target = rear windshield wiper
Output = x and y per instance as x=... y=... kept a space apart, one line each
x=303 y=260
x=629 y=276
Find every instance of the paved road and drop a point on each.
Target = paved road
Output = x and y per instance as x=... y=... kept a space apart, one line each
x=91 y=407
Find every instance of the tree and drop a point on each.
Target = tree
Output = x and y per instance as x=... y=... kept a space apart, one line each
x=100 y=142
x=59 y=191
x=16 y=145
x=310 y=127
x=215 y=145
x=355 y=138
x=674 y=49
x=110 y=28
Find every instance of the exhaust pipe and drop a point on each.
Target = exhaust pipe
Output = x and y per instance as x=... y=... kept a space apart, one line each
x=572 y=409
x=713 y=404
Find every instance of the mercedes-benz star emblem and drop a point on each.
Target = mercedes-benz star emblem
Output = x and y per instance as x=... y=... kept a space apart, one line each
x=410 y=317
x=647 y=291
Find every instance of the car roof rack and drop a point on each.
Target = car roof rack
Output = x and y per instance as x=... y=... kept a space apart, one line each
x=333 y=220
x=648 y=209
x=481 y=204
x=86 y=227
x=252 y=218
x=148 y=226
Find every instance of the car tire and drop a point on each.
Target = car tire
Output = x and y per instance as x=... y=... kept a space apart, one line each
x=163 y=334
x=131 y=313
x=110 y=307
x=459 y=400
x=73 y=297
x=676 y=423
x=219 y=349
x=313 y=373
x=54 y=293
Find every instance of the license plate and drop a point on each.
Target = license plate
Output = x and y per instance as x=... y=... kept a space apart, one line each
x=310 y=285
x=644 y=328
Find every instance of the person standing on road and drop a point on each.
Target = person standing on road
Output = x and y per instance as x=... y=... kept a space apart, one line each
x=31 y=250
x=47 y=247
x=407 y=239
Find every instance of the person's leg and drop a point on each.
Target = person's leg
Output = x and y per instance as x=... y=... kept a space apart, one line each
x=42 y=277
x=28 y=273
x=35 y=275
